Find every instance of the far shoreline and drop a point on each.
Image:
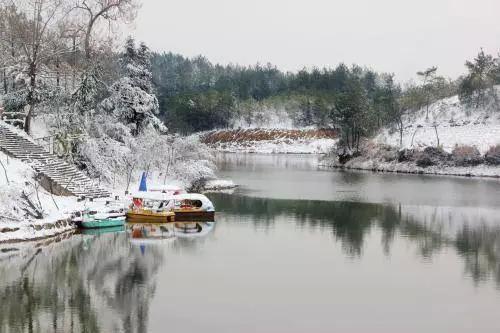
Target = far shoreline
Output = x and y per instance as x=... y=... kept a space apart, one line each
x=461 y=172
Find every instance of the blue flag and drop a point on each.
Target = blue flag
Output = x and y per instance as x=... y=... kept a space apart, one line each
x=143 y=187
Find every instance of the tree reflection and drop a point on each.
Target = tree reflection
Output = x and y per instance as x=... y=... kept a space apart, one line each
x=82 y=284
x=350 y=222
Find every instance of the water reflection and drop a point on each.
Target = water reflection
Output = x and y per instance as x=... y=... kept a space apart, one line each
x=477 y=240
x=131 y=282
x=78 y=284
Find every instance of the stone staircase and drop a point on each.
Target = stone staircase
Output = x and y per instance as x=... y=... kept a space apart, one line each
x=57 y=176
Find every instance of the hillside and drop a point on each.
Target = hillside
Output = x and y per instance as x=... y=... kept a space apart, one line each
x=26 y=210
x=452 y=140
x=456 y=125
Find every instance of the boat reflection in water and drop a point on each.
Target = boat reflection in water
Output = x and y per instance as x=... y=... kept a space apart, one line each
x=149 y=232
x=193 y=229
x=100 y=231
x=157 y=232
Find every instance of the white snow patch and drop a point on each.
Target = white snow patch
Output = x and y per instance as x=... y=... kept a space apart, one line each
x=219 y=184
x=456 y=125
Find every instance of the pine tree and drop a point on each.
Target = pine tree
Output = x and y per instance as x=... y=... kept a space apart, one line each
x=478 y=86
x=132 y=99
x=85 y=97
x=428 y=77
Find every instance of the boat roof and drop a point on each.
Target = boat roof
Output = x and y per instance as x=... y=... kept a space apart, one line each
x=190 y=196
x=158 y=196
x=148 y=195
x=167 y=187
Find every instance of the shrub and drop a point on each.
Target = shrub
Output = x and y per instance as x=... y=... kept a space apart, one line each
x=425 y=162
x=406 y=155
x=493 y=155
x=432 y=156
x=466 y=156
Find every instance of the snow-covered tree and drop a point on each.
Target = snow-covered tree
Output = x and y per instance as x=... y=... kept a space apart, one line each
x=478 y=86
x=105 y=11
x=132 y=99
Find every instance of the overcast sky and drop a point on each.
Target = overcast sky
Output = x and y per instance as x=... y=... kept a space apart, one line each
x=400 y=36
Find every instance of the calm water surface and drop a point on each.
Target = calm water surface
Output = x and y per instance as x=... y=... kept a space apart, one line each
x=295 y=249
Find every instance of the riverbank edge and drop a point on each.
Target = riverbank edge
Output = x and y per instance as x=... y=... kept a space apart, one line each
x=252 y=152
x=35 y=232
x=481 y=171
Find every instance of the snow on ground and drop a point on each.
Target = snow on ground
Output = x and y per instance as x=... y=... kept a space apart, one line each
x=362 y=163
x=219 y=184
x=456 y=125
x=39 y=128
x=300 y=146
x=15 y=224
x=19 y=178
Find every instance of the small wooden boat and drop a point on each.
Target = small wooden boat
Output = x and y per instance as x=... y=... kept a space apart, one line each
x=93 y=223
x=97 y=211
x=162 y=208
x=193 y=207
x=150 y=207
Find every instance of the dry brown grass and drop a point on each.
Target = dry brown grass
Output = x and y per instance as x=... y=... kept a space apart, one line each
x=466 y=155
x=246 y=135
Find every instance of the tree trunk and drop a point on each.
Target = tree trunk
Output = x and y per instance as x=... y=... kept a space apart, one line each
x=401 y=133
x=427 y=112
x=30 y=99
x=27 y=120
x=58 y=72
x=437 y=136
x=5 y=85
x=347 y=139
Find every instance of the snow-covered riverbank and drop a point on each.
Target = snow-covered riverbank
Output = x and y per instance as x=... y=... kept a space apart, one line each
x=451 y=140
x=27 y=211
x=361 y=163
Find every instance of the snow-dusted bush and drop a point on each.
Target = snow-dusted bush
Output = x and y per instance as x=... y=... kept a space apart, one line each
x=432 y=156
x=118 y=160
x=466 y=155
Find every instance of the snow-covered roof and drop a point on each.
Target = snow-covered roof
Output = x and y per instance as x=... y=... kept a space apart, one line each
x=159 y=188
x=157 y=196
x=149 y=195
x=190 y=196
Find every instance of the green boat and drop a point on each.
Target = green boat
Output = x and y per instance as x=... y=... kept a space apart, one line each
x=92 y=223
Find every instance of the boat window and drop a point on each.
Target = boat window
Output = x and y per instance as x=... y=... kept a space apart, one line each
x=197 y=203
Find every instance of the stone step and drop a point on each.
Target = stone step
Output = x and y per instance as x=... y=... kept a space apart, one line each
x=56 y=169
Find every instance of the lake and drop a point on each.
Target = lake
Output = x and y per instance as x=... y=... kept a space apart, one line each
x=297 y=248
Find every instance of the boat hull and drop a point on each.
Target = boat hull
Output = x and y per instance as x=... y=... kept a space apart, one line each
x=198 y=216
x=149 y=217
